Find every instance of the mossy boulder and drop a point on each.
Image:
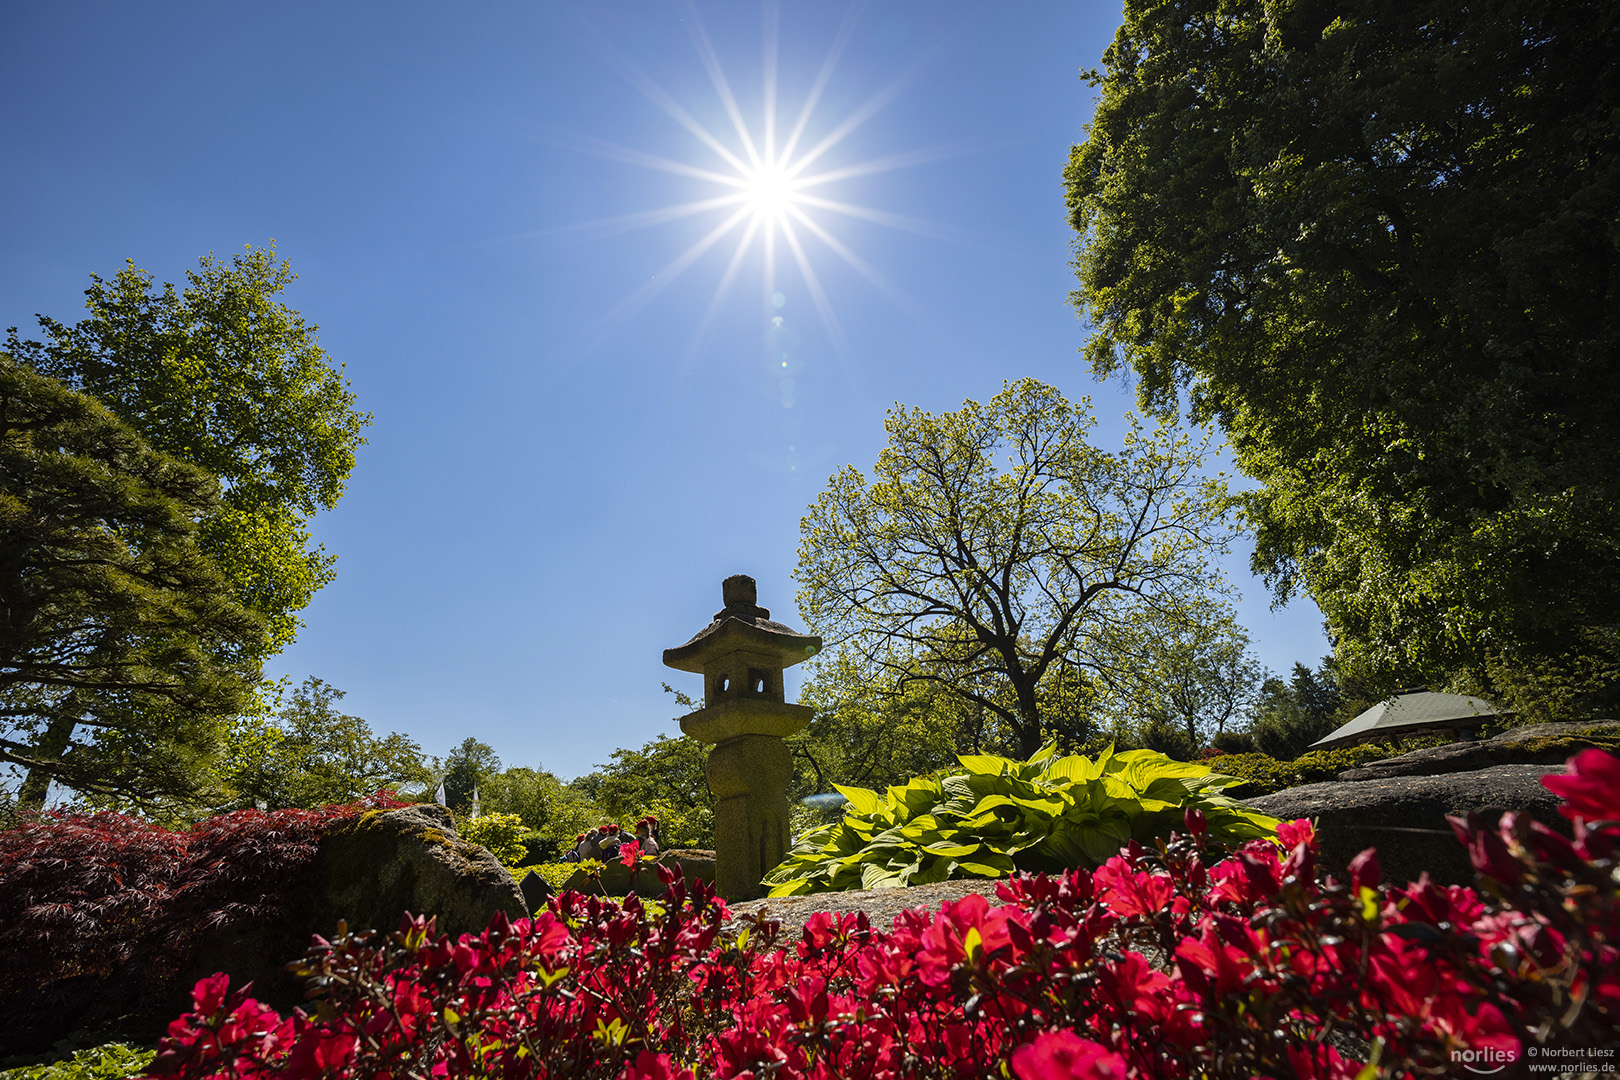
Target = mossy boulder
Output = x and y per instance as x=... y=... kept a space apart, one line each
x=1404 y=817
x=381 y=864
x=368 y=872
x=1534 y=744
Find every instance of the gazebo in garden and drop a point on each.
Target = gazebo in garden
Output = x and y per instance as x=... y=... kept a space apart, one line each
x=1418 y=711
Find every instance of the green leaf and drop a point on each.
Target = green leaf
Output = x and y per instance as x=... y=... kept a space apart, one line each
x=861 y=801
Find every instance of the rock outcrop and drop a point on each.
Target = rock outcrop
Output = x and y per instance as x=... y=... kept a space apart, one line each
x=368 y=872
x=1404 y=817
x=1535 y=744
x=385 y=862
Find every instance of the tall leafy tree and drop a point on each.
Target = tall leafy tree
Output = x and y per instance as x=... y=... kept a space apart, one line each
x=225 y=376
x=1376 y=240
x=1191 y=683
x=308 y=754
x=667 y=778
x=464 y=770
x=947 y=568
x=121 y=649
x=1289 y=716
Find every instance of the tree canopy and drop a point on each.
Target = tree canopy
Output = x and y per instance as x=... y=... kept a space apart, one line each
x=121 y=648
x=464 y=769
x=1377 y=241
x=991 y=581
x=308 y=754
x=223 y=375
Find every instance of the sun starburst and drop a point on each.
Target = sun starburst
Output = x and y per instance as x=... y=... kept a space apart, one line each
x=772 y=196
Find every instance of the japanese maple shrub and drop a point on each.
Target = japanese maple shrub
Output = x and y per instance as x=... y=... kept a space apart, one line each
x=100 y=914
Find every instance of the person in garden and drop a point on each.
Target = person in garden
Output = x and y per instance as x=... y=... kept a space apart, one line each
x=644 y=836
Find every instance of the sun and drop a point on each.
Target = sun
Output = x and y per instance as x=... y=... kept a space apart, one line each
x=773 y=181
x=770 y=192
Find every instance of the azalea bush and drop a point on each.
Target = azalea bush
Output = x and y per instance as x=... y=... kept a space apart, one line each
x=101 y=913
x=1178 y=960
x=996 y=815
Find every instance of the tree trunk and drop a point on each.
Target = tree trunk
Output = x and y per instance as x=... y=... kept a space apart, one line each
x=1029 y=714
x=52 y=745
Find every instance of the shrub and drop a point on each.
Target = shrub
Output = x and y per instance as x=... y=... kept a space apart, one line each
x=1266 y=968
x=112 y=1061
x=993 y=815
x=100 y=913
x=502 y=834
x=1263 y=775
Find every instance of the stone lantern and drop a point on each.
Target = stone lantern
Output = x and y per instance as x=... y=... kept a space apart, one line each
x=746 y=716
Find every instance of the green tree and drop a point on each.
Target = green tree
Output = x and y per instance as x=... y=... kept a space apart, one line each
x=465 y=770
x=552 y=812
x=1376 y=241
x=121 y=651
x=1179 y=691
x=946 y=568
x=308 y=754
x=865 y=734
x=666 y=778
x=1289 y=716
x=223 y=375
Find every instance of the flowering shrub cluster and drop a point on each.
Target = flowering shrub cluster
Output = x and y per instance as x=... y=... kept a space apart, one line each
x=1173 y=962
x=96 y=906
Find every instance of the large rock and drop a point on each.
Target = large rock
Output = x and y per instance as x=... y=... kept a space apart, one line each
x=385 y=862
x=1535 y=744
x=1404 y=817
x=368 y=872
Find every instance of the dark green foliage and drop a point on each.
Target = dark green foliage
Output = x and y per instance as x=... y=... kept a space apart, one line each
x=1165 y=736
x=1376 y=240
x=1233 y=742
x=121 y=651
x=1289 y=716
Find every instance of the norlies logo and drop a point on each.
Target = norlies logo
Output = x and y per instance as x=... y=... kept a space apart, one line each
x=1485 y=1061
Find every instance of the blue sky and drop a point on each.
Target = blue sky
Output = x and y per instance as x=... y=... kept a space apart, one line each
x=578 y=433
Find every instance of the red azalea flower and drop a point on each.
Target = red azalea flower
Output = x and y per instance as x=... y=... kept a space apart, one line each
x=629 y=853
x=651 y=1066
x=1063 y=1055
x=1591 y=789
x=1130 y=892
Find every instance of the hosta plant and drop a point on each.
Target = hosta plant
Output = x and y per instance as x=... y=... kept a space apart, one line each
x=996 y=815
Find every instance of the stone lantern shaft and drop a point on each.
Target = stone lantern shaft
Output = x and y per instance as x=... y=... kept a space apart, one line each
x=745 y=715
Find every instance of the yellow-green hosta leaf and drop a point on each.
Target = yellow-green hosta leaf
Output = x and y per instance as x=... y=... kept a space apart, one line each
x=951 y=851
x=984 y=764
x=861 y=801
x=989 y=865
x=879 y=877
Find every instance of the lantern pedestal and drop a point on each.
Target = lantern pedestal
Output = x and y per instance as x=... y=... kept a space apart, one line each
x=741 y=655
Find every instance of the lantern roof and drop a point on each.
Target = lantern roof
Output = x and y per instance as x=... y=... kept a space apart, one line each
x=742 y=625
